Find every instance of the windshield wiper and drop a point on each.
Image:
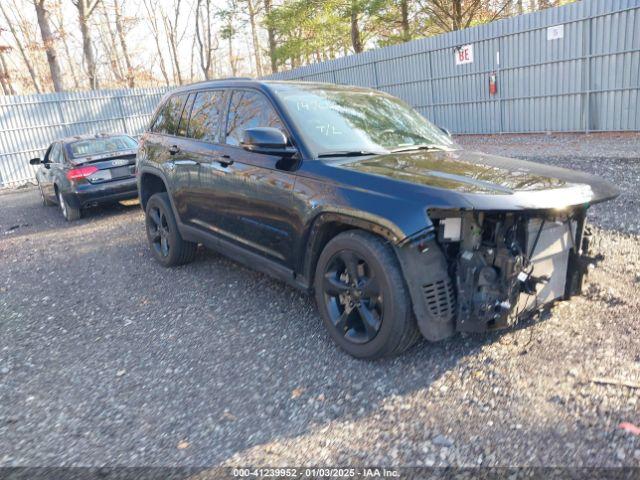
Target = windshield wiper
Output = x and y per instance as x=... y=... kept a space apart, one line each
x=422 y=146
x=349 y=153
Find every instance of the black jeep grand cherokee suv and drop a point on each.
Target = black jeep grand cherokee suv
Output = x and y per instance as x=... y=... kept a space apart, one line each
x=350 y=193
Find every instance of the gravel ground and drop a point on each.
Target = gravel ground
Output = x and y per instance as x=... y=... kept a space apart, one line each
x=107 y=358
x=614 y=156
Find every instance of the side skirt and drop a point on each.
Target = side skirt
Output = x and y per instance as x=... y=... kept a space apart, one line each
x=248 y=258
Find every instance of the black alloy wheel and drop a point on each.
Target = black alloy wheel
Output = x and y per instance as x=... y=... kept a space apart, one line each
x=362 y=297
x=167 y=245
x=353 y=298
x=159 y=231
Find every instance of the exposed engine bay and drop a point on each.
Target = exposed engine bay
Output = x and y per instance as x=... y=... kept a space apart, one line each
x=498 y=265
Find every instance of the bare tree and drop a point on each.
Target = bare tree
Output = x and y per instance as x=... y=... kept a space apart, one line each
x=110 y=45
x=5 y=77
x=23 y=53
x=47 y=39
x=171 y=31
x=151 y=6
x=64 y=36
x=123 y=44
x=207 y=42
x=257 y=50
x=85 y=9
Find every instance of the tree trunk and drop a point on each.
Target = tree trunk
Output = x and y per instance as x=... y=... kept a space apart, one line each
x=356 y=41
x=47 y=38
x=23 y=53
x=204 y=38
x=131 y=82
x=231 y=61
x=67 y=53
x=171 y=29
x=62 y=34
x=84 y=11
x=457 y=14
x=111 y=47
x=151 y=15
x=519 y=7
x=404 y=11
x=254 y=35
x=272 y=39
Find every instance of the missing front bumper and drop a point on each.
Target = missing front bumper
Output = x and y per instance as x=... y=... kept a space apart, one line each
x=502 y=266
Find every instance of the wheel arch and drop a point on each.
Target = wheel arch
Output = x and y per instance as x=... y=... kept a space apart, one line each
x=328 y=225
x=150 y=184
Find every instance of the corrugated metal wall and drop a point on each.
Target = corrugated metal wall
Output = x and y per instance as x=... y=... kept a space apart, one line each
x=29 y=123
x=588 y=80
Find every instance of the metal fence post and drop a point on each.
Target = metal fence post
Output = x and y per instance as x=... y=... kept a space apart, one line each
x=500 y=85
x=375 y=73
x=588 y=73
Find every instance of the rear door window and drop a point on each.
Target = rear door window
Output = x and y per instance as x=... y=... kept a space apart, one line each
x=169 y=117
x=205 y=116
x=249 y=109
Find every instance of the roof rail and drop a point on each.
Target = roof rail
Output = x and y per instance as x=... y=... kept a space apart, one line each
x=219 y=80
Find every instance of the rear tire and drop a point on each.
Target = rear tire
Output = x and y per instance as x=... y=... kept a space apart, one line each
x=167 y=245
x=69 y=212
x=362 y=297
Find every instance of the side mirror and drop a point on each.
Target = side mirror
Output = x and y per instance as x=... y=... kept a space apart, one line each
x=446 y=131
x=266 y=140
x=35 y=161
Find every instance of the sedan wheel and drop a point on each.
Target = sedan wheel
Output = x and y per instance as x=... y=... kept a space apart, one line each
x=68 y=212
x=63 y=205
x=45 y=201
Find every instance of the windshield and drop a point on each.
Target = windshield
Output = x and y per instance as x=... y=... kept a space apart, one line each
x=337 y=120
x=101 y=145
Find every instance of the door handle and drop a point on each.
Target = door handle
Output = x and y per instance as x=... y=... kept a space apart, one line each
x=224 y=160
x=173 y=149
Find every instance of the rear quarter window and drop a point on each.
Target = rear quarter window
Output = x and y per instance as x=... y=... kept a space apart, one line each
x=169 y=117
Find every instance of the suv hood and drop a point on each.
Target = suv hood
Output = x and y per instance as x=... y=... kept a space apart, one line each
x=478 y=177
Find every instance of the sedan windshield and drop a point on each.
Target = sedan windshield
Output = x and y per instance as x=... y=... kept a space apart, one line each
x=101 y=145
x=336 y=121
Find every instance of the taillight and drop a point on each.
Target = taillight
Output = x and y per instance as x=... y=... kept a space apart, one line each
x=82 y=172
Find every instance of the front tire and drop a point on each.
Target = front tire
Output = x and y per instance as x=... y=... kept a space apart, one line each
x=167 y=245
x=362 y=298
x=45 y=201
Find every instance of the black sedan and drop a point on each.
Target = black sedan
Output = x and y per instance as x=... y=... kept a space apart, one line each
x=87 y=170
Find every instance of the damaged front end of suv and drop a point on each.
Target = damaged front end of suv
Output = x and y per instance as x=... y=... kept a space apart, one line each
x=478 y=271
x=501 y=243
